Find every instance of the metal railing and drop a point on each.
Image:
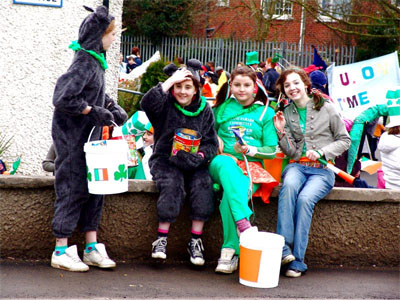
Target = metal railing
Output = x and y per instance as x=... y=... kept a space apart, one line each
x=227 y=53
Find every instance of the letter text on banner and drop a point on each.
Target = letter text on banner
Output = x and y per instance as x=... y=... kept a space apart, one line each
x=358 y=86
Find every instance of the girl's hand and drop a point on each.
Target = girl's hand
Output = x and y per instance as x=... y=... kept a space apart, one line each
x=240 y=148
x=314 y=155
x=279 y=122
x=179 y=76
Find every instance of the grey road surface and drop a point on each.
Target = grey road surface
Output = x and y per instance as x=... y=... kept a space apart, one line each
x=28 y=280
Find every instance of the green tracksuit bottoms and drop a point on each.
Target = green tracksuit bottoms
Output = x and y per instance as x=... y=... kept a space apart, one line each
x=234 y=204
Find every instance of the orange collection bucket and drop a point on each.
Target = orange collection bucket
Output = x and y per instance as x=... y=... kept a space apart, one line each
x=187 y=140
x=260 y=259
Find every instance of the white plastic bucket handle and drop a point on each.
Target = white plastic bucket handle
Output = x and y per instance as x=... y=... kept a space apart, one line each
x=91 y=131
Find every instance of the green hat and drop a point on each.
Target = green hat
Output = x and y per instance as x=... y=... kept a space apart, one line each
x=252 y=58
x=149 y=127
x=393 y=105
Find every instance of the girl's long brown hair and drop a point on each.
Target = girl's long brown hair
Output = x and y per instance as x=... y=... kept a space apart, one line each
x=317 y=97
x=244 y=71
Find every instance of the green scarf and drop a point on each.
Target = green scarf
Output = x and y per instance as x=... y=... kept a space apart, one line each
x=189 y=113
x=100 y=57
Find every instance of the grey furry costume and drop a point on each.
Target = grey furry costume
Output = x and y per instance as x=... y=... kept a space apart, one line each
x=184 y=172
x=81 y=86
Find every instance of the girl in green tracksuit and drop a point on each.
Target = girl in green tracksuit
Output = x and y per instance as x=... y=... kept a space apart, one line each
x=242 y=105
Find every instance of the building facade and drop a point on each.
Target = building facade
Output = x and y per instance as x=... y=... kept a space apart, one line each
x=34 y=54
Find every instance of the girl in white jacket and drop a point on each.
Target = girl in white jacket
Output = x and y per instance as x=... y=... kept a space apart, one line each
x=389 y=147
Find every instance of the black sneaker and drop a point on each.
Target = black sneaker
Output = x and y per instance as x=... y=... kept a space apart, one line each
x=159 y=249
x=195 y=249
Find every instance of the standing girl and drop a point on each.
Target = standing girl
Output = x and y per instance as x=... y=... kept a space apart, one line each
x=308 y=128
x=241 y=105
x=171 y=105
x=81 y=103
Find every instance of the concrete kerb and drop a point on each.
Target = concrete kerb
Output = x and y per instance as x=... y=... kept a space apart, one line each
x=351 y=227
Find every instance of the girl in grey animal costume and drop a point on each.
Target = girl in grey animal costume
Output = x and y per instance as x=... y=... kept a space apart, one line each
x=174 y=104
x=81 y=103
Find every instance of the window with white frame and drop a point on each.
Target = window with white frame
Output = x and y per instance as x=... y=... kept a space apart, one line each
x=334 y=9
x=396 y=3
x=222 y=2
x=281 y=9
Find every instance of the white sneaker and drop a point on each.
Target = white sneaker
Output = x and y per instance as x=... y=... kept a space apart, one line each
x=228 y=262
x=69 y=261
x=98 y=257
x=287 y=259
x=292 y=273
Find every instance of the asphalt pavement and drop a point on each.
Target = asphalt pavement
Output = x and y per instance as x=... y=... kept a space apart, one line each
x=37 y=280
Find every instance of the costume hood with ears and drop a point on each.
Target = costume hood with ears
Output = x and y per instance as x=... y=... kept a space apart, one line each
x=193 y=65
x=93 y=27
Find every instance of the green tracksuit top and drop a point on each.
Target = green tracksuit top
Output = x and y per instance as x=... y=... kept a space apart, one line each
x=260 y=135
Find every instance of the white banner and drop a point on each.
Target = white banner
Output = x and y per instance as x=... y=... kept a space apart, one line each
x=358 y=86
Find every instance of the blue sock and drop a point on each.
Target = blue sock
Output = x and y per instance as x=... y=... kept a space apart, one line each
x=90 y=247
x=60 y=250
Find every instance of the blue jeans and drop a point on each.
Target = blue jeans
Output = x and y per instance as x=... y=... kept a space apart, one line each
x=302 y=188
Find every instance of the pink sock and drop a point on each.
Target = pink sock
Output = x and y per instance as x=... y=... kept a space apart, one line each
x=162 y=232
x=243 y=224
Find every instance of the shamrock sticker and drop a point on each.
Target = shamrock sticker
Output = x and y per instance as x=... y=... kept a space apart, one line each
x=121 y=173
x=89 y=175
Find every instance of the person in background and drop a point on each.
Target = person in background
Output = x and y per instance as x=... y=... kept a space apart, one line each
x=142 y=170
x=131 y=64
x=135 y=53
x=319 y=81
x=173 y=104
x=389 y=147
x=252 y=62
x=219 y=70
x=80 y=104
x=308 y=128
x=211 y=65
x=122 y=64
x=48 y=162
x=245 y=108
x=270 y=78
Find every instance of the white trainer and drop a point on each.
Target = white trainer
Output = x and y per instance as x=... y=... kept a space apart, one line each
x=292 y=273
x=228 y=262
x=287 y=259
x=98 y=257
x=69 y=261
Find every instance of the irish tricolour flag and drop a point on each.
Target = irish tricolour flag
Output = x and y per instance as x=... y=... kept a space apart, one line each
x=100 y=175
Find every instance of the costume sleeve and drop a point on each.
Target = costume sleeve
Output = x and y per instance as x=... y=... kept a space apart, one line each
x=209 y=141
x=153 y=104
x=68 y=96
x=342 y=139
x=120 y=116
x=48 y=162
x=269 y=139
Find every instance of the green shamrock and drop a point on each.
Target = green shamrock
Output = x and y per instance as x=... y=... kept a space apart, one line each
x=89 y=175
x=121 y=174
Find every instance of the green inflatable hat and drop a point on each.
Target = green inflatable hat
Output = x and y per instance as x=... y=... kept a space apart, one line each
x=252 y=58
x=393 y=105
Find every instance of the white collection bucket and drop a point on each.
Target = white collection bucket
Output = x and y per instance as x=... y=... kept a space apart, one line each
x=260 y=259
x=107 y=166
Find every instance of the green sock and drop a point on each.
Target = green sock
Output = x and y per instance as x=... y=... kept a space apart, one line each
x=90 y=247
x=60 y=250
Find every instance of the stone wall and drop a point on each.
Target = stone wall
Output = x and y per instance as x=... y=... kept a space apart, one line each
x=34 y=53
x=351 y=227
